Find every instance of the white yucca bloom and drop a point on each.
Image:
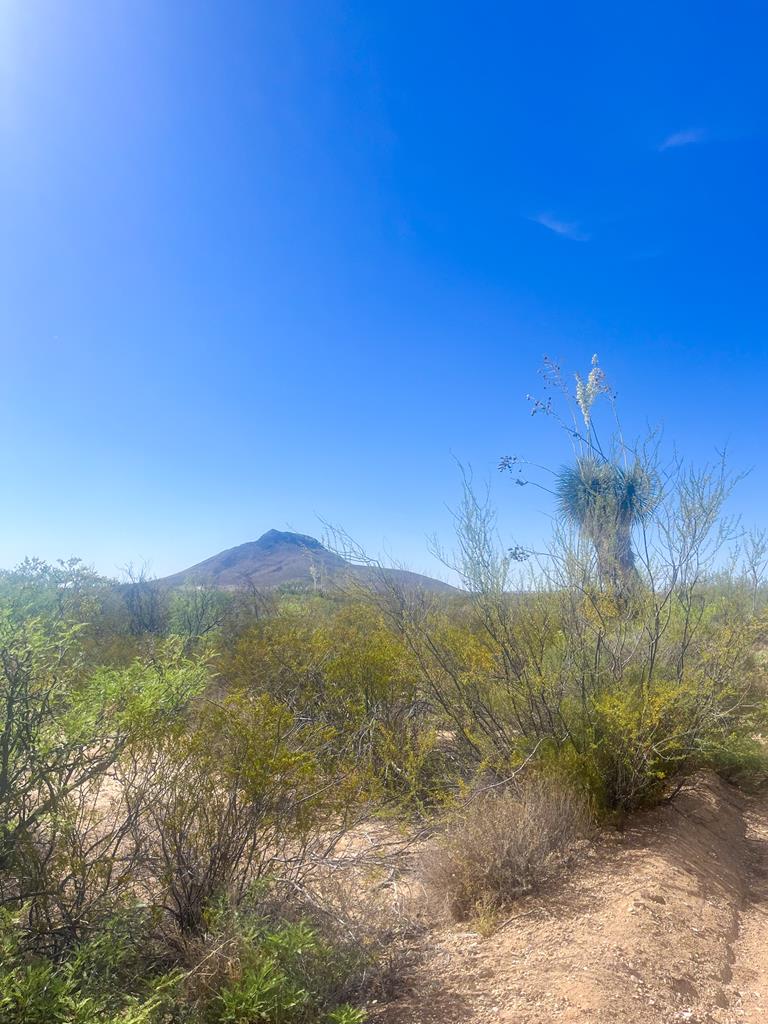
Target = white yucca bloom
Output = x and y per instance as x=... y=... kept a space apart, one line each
x=588 y=390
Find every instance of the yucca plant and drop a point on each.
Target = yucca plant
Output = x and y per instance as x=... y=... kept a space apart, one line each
x=606 y=501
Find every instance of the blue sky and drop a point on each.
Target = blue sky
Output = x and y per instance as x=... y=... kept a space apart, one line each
x=264 y=262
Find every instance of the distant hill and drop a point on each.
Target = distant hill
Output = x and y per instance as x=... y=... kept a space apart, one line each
x=278 y=558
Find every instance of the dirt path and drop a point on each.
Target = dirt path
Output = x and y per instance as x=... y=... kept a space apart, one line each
x=663 y=924
x=749 y=987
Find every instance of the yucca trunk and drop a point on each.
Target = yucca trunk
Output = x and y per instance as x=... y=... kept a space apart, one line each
x=615 y=557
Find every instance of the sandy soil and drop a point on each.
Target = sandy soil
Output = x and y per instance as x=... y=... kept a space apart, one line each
x=666 y=922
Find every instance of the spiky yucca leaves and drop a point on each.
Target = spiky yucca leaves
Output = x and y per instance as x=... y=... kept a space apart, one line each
x=606 y=501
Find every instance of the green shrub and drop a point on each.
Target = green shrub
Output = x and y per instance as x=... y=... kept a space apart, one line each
x=107 y=980
x=262 y=992
x=247 y=971
x=346 y=1015
x=251 y=969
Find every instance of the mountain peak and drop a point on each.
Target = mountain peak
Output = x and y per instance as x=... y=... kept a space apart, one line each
x=280 y=557
x=275 y=538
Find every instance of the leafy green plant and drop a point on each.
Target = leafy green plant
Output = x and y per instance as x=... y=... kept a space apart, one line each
x=262 y=993
x=346 y=1015
x=280 y=972
x=101 y=981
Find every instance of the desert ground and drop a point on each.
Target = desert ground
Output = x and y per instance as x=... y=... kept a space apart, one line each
x=664 y=922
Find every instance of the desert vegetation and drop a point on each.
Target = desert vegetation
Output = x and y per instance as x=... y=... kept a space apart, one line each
x=183 y=771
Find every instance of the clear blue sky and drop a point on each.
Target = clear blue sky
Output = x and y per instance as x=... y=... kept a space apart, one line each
x=264 y=261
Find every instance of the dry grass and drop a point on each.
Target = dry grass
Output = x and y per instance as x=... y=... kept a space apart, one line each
x=365 y=911
x=503 y=843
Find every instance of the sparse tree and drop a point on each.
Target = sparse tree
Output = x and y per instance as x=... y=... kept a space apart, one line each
x=756 y=562
x=145 y=601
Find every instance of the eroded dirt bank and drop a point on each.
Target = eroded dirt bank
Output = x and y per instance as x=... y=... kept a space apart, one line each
x=667 y=922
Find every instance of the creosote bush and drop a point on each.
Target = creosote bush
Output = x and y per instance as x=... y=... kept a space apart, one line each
x=339 y=665
x=240 y=794
x=504 y=842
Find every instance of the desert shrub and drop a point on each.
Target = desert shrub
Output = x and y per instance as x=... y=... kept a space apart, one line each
x=341 y=666
x=240 y=794
x=360 y=900
x=148 y=780
x=105 y=980
x=633 y=744
x=739 y=758
x=67 y=591
x=623 y=651
x=251 y=968
x=625 y=695
x=245 y=968
x=685 y=697
x=374 y=701
x=196 y=612
x=503 y=843
x=62 y=731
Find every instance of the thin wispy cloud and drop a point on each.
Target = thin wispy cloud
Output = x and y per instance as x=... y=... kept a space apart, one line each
x=568 y=229
x=686 y=138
